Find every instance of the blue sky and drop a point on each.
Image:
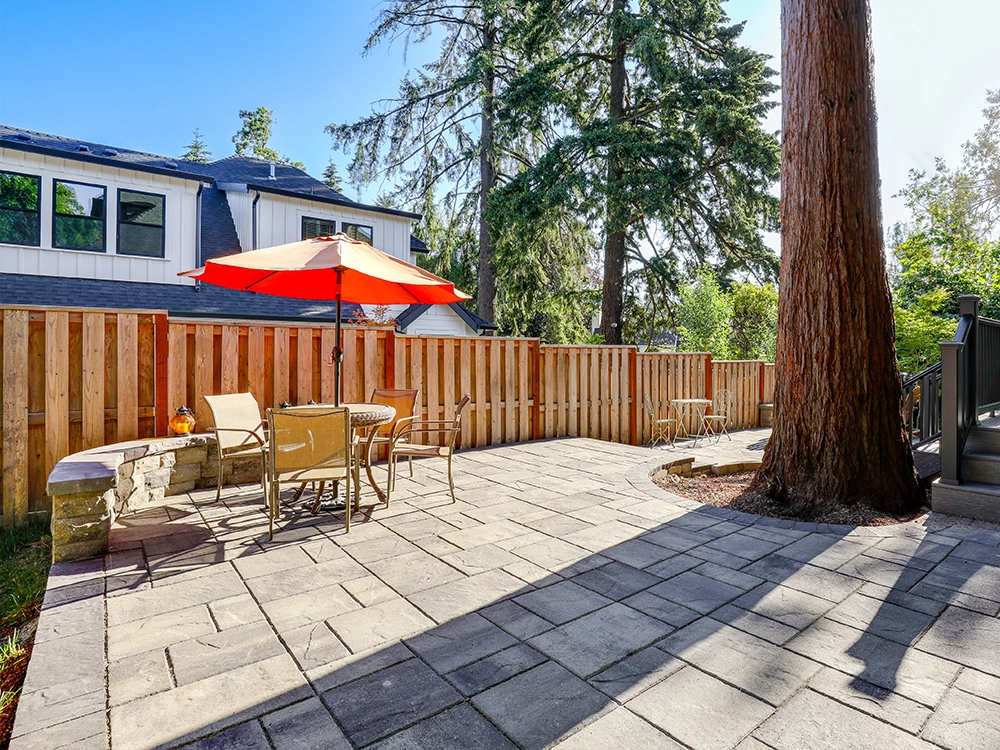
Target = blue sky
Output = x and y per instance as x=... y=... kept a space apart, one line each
x=144 y=75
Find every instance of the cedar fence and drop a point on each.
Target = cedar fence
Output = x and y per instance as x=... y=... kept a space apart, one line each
x=75 y=379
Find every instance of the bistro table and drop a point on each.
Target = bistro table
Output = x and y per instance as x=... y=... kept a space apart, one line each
x=362 y=415
x=691 y=407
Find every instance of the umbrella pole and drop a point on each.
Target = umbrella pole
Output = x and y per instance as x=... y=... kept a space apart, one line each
x=338 y=351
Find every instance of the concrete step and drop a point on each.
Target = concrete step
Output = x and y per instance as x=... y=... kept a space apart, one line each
x=970 y=500
x=983 y=440
x=981 y=468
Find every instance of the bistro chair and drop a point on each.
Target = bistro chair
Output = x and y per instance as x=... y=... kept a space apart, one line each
x=239 y=432
x=660 y=426
x=309 y=445
x=404 y=401
x=403 y=444
x=717 y=422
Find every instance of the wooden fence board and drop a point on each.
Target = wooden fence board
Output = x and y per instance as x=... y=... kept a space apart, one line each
x=204 y=374
x=93 y=380
x=304 y=365
x=230 y=356
x=128 y=376
x=495 y=397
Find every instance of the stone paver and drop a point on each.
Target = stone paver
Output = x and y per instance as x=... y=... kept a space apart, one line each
x=565 y=601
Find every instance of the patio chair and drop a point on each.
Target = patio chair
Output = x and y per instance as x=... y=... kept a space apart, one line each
x=719 y=418
x=404 y=401
x=239 y=432
x=660 y=426
x=309 y=445
x=403 y=444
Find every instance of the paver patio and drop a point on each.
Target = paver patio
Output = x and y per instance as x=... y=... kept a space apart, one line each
x=563 y=601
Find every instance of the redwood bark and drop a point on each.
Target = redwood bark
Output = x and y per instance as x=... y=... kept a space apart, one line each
x=612 y=290
x=486 y=298
x=838 y=429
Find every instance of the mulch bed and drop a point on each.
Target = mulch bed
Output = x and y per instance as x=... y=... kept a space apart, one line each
x=11 y=679
x=732 y=491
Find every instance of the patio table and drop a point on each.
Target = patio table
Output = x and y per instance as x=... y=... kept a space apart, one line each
x=362 y=415
x=691 y=407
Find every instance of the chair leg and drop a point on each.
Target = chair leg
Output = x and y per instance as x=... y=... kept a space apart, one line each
x=347 y=501
x=411 y=466
x=451 y=482
x=272 y=502
x=218 y=487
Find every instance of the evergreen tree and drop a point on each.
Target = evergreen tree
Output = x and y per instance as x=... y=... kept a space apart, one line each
x=252 y=137
x=196 y=150
x=331 y=178
x=653 y=113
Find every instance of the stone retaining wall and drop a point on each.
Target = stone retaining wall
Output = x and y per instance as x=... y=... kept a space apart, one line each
x=90 y=489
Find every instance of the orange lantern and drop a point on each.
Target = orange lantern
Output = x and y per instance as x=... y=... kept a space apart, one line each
x=182 y=423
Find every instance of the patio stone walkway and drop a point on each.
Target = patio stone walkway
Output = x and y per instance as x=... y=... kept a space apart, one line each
x=564 y=601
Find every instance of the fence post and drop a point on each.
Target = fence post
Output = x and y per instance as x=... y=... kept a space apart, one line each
x=534 y=359
x=709 y=371
x=15 y=417
x=390 y=358
x=161 y=408
x=633 y=399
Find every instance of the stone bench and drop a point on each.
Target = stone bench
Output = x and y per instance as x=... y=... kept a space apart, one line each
x=92 y=488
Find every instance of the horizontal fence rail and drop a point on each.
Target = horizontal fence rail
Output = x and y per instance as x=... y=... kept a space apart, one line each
x=74 y=379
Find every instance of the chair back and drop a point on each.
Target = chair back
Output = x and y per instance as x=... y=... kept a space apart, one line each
x=404 y=401
x=237 y=420
x=723 y=403
x=315 y=438
x=459 y=409
x=649 y=406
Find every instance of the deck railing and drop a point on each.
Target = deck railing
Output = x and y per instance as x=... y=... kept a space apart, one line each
x=970 y=382
x=73 y=379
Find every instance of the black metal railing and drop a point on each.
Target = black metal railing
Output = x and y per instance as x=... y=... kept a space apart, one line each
x=970 y=382
x=922 y=406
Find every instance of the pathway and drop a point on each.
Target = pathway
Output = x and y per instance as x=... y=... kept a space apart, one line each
x=564 y=601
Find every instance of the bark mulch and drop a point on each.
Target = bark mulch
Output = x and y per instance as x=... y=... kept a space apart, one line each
x=732 y=491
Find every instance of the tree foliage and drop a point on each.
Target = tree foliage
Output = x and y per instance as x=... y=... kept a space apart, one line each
x=252 y=137
x=331 y=178
x=196 y=150
x=673 y=159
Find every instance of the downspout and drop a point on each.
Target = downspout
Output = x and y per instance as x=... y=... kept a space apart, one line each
x=197 y=234
x=253 y=214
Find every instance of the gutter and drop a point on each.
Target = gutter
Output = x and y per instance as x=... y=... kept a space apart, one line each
x=253 y=213
x=197 y=234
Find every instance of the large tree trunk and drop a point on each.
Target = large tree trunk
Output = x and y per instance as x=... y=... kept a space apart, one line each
x=614 y=224
x=838 y=429
x=486 y=299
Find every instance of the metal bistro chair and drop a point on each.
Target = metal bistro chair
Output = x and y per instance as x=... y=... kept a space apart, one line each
x=239 y=432
x=403 y=445
x=404 y=401
x=311 y=445
x=719 y=418
x=660 y=426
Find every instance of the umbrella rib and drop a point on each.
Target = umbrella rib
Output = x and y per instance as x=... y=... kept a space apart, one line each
x=249 y=287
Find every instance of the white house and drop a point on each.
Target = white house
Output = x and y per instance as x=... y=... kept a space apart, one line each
x=88 y=225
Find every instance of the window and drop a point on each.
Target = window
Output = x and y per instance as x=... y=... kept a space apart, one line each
x=312 y=228
x=357 y=232
x=140 y=224
x=78 y=216
x=20 y=213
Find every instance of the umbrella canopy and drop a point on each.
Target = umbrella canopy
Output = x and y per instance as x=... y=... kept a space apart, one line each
x=310 y=269
x=332 y=268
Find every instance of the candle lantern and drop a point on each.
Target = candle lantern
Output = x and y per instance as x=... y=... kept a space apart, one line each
x=182 y=423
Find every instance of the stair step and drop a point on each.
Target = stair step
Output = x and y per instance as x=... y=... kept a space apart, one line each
x=970 y=500
x=982 y=468
x=983 y=439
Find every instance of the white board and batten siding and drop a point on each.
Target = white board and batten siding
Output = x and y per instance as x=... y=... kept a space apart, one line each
x=180 y=223
x=279 y=221
x=436 y=320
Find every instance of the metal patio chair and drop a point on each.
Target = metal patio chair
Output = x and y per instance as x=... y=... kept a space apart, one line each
x=660 y=426
x=239 y=432
x=404 y=446
x=718 y=421
x=309 y=445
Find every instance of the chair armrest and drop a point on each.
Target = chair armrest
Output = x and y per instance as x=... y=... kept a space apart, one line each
x=425 y=426
x=400 y=424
